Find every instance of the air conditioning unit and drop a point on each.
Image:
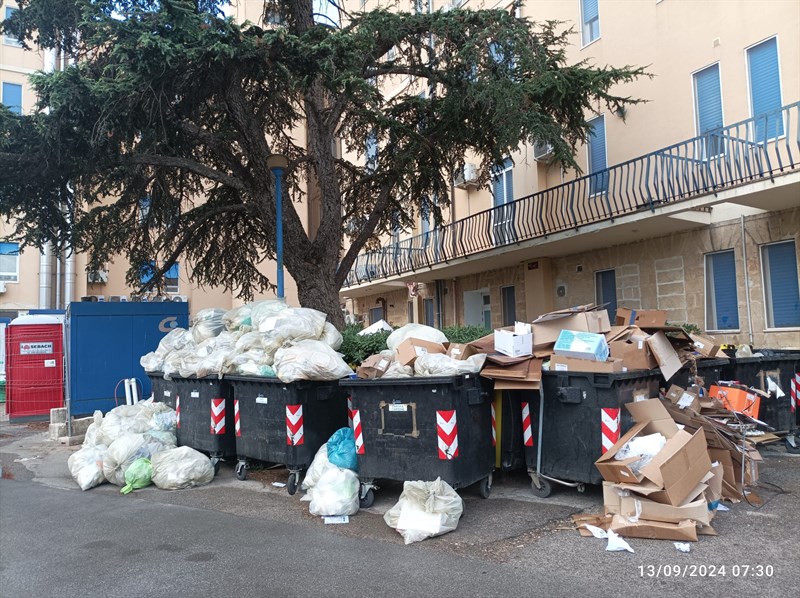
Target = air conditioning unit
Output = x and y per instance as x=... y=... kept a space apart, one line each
x=97 y=276
x=99 y=298
x=543 y=152
x=467 y=177
x=118 y=299
x=180 y=298
x=93 y=298
x=2 y=287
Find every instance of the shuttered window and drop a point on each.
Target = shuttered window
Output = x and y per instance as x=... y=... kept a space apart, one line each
x=12 y=97
x=605 y=290
x=708 y=107
x=765 y=89
x=722 y=300
x=781 y=294
x=598 y=166
x=590 y=15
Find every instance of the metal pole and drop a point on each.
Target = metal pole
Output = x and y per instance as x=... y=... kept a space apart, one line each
x=278 y=172
x=746 y=283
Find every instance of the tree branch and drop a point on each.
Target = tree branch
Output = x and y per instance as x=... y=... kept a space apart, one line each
x=175 y=162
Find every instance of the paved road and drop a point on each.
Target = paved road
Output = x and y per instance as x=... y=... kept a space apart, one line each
x=246 y=539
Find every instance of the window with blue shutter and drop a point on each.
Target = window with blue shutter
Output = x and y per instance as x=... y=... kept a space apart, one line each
x=781 y=293
x=722 y=300
x=708 y=105
x=765 y=89
x=505 y=210
x=598 y=166
x=8 y=39
x=605 y=290
x=590 y=15
x=12 y=97
x=9 y=262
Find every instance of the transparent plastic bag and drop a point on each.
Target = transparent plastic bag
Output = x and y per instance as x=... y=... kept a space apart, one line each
x=207 y=324
x=318 y=466
x=331 y=336
x=119 y=456
x=424 y=510
x=151 y=362
x=398 y=370
x=300 y=323
x=239 y=318
x=420 y=331
x=438 y=364
x=181 y=467
x=335 y=493
x=90 y=439
x=310 y=360
x=263 y=310
x=86 y=466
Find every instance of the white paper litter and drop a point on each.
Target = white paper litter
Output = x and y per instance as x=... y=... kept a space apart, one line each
x=615 y=543
x=721 y=507
x=683 y=546
x=337 y=519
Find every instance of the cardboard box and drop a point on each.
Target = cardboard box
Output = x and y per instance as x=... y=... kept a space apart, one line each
x=641 y=317
x=665 y=355
x=509 y=343
x=581 y=345
x=685 y=531
x=374 y=366
x=705 y=345
x=696 y=510
x=586 y=318
x=411 y=348
x=736 y=397
x=559 y=363
x=460 y=351
x=683 y=399
x=714 y=492
x=612 y=498
x=634 y=353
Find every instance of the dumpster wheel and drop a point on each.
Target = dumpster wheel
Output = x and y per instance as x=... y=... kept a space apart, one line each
x=291 y=484
x=241 y=470
x=215 y=465
x=365 y=502
x=792 y=445
x=544 y=488
x=485 y=486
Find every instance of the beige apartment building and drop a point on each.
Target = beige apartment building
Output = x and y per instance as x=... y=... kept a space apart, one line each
x=689 y=203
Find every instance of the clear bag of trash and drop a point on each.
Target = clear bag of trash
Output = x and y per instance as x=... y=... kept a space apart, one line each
x=138 y=475
x=424 y=510
x=342 y=449
x=264 y=310
x=238 y=318
x=207 y=323
x=181 y=467
x=398 y=370
x=743 y=351
x=86 y=466
x=644 y=447
x=310 y=360
x=335 y=493
x=426 y=333
x=300 y=323
x=438 y=364
x=318 y=467
x=119 y=456
x=331 y=336
x=90 y=439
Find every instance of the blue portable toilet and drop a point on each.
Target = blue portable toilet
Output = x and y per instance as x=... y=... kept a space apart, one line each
x=105 y=342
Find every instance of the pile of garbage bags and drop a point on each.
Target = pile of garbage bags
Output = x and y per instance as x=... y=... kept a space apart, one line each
x=134 y=445
x=265 y=338
x=331 y=484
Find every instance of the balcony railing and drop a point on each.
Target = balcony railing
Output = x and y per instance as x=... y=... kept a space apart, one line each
x=755 y=149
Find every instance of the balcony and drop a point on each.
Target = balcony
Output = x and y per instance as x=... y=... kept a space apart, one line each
x=668 y=183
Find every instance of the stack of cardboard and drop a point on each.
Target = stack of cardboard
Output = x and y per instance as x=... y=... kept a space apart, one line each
x=668 y=497
x=509 y=359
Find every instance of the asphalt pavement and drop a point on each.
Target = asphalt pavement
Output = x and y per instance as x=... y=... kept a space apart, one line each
x=250 y=538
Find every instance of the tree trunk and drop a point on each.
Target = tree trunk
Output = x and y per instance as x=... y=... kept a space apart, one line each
x=317 y=290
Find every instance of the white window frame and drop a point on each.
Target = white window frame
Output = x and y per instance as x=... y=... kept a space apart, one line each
x=605 y=150
x=750 y=89
x=21 y=95
x=696 y=106
x=706 y=297
x=584 y=43
x=10 y=41
x=13 y=277
x=767 y=304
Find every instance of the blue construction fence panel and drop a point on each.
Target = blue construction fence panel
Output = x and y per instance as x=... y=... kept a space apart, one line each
x=106 y=341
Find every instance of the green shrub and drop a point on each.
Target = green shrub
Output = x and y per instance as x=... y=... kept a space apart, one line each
x=357 y=348
x=689 y=328
x=465 y=334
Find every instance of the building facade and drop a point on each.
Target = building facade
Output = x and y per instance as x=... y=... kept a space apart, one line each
x=689 y=202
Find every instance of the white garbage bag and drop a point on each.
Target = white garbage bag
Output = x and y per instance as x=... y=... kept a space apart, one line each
x=318 y=467
x=86 y=466
x=300 y=323
x=424 y=510
x=239 y=318
x=133 y=419
x=331 y=336
x=398 y=370
x=310 y=360
x=207 y=323
x=263 y=310
x=438 y=364
x=120 y=454
x=151 y=362
x=420 y=331
x=335 y=493
x=181 y=467
x=90 y=439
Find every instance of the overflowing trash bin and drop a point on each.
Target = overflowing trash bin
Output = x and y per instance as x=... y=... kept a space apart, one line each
x=422 y=428
x=710 y=369
x=573 y=419
x=285 y=423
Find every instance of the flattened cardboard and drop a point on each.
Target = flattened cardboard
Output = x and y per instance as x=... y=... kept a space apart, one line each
x=679 y=467
x=635 y=354
x=683 y=399
x=411 y=348
x=667 y=358
x=650 y=510
x=516 y=385
x=612 y=497
x=714 y=492
x=705 y=345
x=374 y=366
x=641 y=317
x=685 y=531
x=585 y=318
x=559 y=363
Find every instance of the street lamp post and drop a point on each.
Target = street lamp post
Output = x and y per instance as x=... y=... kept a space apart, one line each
x=277 y=163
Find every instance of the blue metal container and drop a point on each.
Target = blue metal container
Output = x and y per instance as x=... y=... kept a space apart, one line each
x=105 y=342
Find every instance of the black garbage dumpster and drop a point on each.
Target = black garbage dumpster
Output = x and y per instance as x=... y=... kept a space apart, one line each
x=421 y=429
x=574 y=419
x=284 y=423
x=205 y=418
x=710 y=369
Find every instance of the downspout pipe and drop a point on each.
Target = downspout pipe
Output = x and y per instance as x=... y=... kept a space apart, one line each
x=746 y=284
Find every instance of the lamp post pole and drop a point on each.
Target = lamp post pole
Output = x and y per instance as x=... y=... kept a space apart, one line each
x=277 y=164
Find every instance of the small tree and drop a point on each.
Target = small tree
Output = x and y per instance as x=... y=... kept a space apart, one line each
x=154 y=142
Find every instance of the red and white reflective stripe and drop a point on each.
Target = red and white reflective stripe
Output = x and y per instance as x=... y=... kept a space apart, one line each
x=237 y=426
x=217 y=416
x=177 y=412
x=350 y=412
x=447 y=431
x=294 y=425
x=794 y=391
x=527 y=431
x=355 y=415
x=609 y=428
x=494 y=428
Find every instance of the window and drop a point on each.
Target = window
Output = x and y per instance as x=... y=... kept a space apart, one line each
x=375 y=314
x=590 y=15
x=505 y=209
x=7 y=39
x=708 y=107
x=722 y=301
x=598 y=166
x=765 y=89
x=9 y=262
x=410 y=315
x=509 y=300
x=171 y=276
x=781 y=294
x=12 y=97
x=371 y=151
x=487 y=311
x=427 y=306
x=605 y=291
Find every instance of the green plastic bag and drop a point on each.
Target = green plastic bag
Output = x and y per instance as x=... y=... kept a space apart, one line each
x=138 y=475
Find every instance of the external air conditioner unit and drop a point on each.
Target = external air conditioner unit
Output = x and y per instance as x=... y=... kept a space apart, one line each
x=2 y=287
x=467 y=177
x=180 y=298
x=543 y=152
x=118 y=299
x=99 y=298
x=97 y=276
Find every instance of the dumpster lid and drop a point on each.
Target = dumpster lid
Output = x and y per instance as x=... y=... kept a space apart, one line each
x=36 y=319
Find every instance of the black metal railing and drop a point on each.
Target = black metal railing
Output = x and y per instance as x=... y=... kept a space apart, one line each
x=755 y=149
